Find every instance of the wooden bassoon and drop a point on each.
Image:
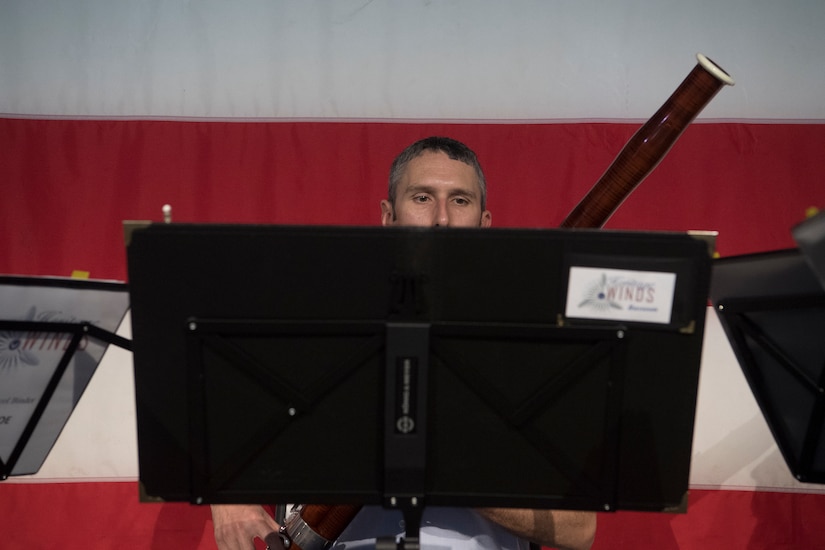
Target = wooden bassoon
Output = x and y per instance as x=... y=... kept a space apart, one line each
x=315 y=526
x=649 y=145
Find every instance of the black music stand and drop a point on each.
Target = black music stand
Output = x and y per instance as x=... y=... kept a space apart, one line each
x=404 y=367
x=52 y=337
x=772 y=308
x=810 y=237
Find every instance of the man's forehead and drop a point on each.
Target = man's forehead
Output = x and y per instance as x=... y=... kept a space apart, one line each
x=436 y=167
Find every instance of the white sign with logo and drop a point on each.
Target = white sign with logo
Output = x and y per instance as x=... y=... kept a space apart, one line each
x=29 y=359
x=620 y=295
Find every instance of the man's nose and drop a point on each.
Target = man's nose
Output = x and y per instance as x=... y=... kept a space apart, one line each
x=442 y=215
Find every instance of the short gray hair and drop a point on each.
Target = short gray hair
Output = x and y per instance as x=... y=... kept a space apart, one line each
x=451 y=147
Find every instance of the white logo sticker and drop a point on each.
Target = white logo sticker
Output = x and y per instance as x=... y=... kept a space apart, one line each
x=620 y=295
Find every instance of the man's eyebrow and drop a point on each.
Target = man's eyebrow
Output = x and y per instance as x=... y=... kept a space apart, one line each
x=425 y=188
x=418 y=188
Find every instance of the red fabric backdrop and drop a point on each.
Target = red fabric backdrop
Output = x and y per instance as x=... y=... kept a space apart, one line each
x=91 y=516
x=68 y=184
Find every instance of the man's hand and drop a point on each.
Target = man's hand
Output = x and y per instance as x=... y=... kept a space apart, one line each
x=564 y=529
x=238 y=525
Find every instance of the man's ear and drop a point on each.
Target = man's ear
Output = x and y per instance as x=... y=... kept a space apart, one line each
x=486 y=219
x=387 y=213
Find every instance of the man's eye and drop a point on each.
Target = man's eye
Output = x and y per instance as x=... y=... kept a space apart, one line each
x=421 y=198
x=461 y=201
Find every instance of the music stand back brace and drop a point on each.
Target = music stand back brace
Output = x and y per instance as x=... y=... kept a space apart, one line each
x=397 y=365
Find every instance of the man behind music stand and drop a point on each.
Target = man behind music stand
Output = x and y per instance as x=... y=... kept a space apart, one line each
x=436 y=182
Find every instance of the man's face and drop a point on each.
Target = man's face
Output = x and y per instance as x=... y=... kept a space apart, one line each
x=436 y=190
